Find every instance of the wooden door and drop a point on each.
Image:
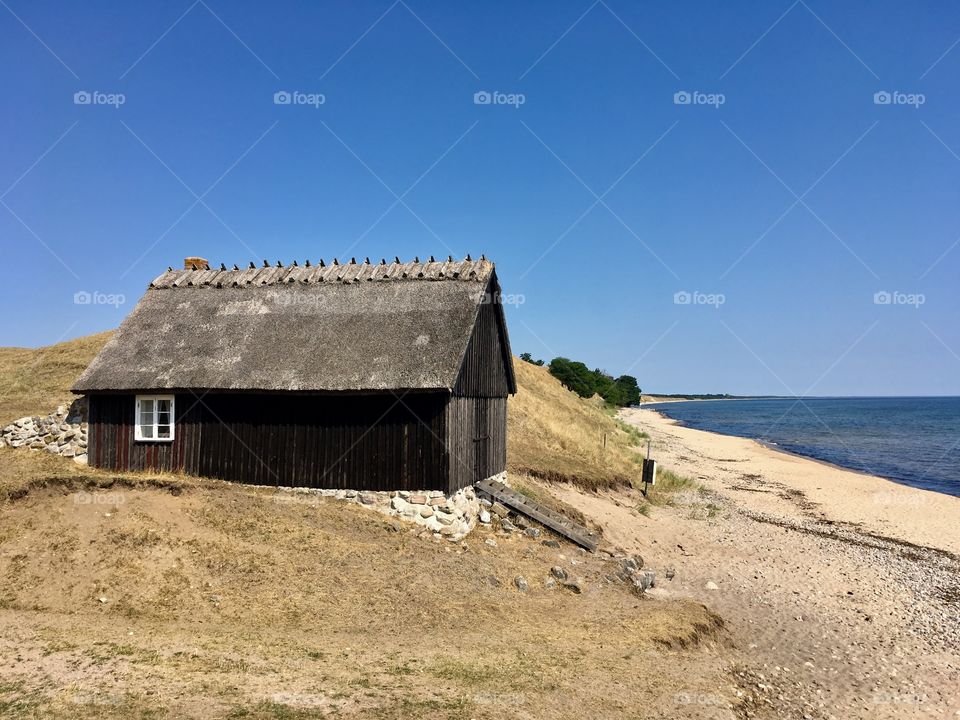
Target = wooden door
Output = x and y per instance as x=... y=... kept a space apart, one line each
x=481 y=440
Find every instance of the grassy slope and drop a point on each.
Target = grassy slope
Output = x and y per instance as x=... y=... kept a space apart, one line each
x=223 y=600
x=554 y=434
x=34 y=382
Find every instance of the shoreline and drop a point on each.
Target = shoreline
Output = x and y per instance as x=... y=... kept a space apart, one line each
x=839 y=494
x=837 y=588
x=773 y=447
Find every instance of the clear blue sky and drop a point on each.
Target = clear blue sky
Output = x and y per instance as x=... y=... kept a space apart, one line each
x=794 y=201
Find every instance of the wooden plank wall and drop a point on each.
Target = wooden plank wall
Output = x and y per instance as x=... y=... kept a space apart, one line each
x=111 y=444
x=483 y=372
x=370 y=442
x=465 y=435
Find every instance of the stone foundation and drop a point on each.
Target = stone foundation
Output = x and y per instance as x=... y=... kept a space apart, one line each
x=62 y=433
x=449 y=516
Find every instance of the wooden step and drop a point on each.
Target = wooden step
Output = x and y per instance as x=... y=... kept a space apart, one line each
x=545 y=516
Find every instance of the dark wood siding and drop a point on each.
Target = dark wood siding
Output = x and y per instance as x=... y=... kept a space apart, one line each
x=111 y=441
x=362 y=442
x=477 y=439
x=483 y=372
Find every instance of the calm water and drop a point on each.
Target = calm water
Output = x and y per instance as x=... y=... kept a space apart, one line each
x=915 y=441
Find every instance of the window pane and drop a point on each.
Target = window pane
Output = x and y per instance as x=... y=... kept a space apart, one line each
x=163 y=417
x=163 y=431
x=163 y=405
x=146 y=406
x=146 y=431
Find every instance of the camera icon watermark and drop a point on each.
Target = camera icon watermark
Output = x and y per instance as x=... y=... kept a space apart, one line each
x=295 y=97
x=95 y=97
x=483 y=97
x=895 y=97
x=895 y=297
x=98 y=498
x=84 y=297
x=684 y=297
x=684 y=97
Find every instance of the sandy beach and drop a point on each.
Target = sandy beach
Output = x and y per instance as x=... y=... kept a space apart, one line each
x=839 y=590
x=879 y=505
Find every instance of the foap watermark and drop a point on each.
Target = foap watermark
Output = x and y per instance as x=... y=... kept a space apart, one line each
x=308 y=302
x=483 y=97
x=300 y=700
x=96 y=97
x=704 y=699
x=499 y=298
x=893 y=698
x=895 y=297
x=683 y=297
x=895 y=97
x=296 y=97
x=684 y=97
x=98 y=498
x=889 y=498
x=84 y=297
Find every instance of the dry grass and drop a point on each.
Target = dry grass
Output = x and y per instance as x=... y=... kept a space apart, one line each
x=222 y=600
x=555 y=435
x=35 y=381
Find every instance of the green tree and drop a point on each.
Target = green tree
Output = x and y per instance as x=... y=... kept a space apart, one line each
x=629 y=389
x=574 y=376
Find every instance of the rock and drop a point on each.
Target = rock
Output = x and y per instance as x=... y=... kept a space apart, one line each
x=499 y=510
x=485 y=503
x=532 y=532
x=491 y=542
x=102 y=600
x=69 y=452
x=711 y=585
x=418 y=499
x=493 y=580
x=551 y=543
x=426 y=512
x=437 y=501
x=670 y=574
x=558 y=572
x=398 y=503
x=521 y=583
x=574 y=586
x=484 y=516
x=507 y=525
x=368 y=498
x=443 y=518
x=405 y=494
x=549 y=584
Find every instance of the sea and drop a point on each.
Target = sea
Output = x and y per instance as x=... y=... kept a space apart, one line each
x=911 y=440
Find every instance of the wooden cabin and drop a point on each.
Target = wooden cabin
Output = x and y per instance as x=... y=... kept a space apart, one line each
x=389 y=376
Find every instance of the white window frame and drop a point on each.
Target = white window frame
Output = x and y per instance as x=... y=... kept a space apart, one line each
x=138 y=427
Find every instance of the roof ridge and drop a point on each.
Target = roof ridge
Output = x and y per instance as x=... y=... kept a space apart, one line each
x=353 y=271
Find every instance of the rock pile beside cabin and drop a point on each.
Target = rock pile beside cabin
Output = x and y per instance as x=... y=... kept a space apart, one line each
x=449 y=516
x=62 y=433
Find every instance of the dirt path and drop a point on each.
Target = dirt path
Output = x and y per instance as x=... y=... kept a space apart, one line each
x=830 y=617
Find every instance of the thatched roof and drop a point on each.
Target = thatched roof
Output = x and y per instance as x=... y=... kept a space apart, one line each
x=352 y=327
